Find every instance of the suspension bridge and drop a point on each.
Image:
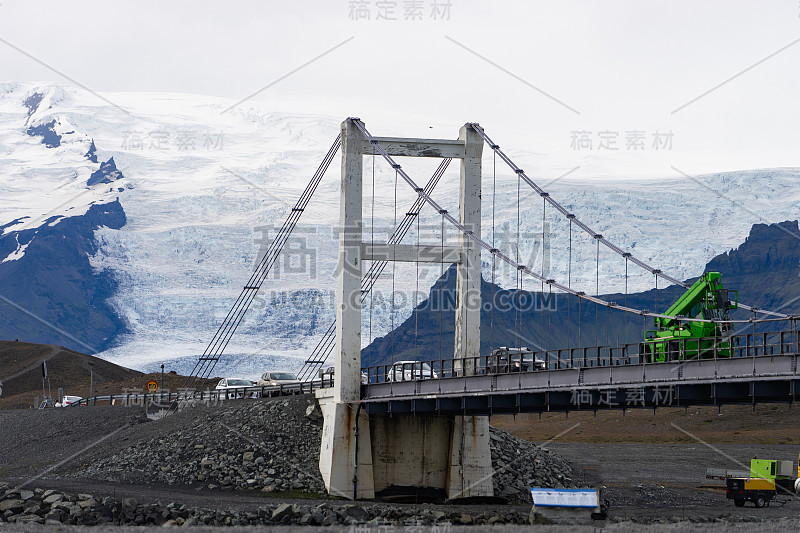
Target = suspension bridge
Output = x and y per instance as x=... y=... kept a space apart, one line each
x=424 y=423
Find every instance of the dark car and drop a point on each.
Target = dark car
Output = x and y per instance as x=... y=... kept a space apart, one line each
x=504 y=360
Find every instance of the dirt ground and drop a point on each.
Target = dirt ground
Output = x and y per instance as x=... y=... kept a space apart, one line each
x=644 y=481
x=764 y=423
x=653 y=465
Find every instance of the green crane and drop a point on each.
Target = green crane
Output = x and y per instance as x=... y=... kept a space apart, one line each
x=674 y=339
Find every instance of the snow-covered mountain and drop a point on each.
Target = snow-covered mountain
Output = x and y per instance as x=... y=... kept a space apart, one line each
x=129 y=224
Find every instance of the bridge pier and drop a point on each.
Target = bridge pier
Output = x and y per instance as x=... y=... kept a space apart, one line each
x=450 y=453
x=361 y=455
x=345 y=459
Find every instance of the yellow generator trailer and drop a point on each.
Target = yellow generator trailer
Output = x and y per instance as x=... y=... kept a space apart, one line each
x=767 y=477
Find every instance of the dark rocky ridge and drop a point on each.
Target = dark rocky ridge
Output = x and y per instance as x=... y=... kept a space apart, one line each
x=55 y=281
x=765 y=269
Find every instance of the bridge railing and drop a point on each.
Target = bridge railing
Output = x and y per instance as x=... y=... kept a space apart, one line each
x=167 y=398
x=651 y=351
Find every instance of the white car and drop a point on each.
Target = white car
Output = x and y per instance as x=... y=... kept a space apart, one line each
x=410 y=370
x=273 y=379
x=226 y=384
x=66 y=401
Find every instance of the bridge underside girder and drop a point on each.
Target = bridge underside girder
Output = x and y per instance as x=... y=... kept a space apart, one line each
x=744 y=392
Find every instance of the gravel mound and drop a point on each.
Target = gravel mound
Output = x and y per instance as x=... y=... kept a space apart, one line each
x=273 y=446
x=519 y=465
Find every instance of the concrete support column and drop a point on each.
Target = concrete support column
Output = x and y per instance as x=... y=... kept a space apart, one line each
x=470 y=473
x=347 y=473
x=468 y=281
x=347 y=355
x=342 y=473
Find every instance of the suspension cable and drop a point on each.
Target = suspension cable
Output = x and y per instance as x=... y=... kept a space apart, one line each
x=372 y=242
x=517 y=318
x=597 y=293
x=416 y=300
x=656 y=294
x=591 y=232
x=211 y=355
x=626 y=255
x=441 y=295
x=327 y=343
x=494 y=201
x=569 y=284
x=486 y=246
x=394 y=264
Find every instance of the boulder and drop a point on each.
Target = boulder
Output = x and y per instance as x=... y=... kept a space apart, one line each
x=281 y=512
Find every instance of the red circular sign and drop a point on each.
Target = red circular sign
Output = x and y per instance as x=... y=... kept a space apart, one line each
x=152 y=386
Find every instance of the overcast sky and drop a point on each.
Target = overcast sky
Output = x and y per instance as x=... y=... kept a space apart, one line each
x=623 y=73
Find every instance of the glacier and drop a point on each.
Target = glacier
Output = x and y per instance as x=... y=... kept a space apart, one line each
x=204 y=192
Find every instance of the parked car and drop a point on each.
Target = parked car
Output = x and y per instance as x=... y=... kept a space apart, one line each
x=66 y=401
x=326 y=374
x=410 y=370
x=226 y=384
x=504 y=360
x=272 y=379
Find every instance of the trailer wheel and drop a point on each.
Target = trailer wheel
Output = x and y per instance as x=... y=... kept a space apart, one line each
x=738 y=503
x=760 y=501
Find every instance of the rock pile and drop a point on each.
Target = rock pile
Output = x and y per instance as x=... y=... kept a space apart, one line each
x=51 y=507
x=519 y=465
x=273 y=446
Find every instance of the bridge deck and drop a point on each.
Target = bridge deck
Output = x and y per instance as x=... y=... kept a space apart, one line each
x=697 y=382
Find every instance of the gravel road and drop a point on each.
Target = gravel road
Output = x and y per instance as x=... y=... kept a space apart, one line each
x=648 y=481
x=780 y=526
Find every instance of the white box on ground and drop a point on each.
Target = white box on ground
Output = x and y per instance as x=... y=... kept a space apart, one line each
x=565 y=505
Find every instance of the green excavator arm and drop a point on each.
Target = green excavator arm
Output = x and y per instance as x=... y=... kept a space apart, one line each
x=674 y=338
x=705 y=295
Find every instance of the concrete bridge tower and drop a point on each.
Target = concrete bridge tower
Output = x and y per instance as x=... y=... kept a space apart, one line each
x=362 y=455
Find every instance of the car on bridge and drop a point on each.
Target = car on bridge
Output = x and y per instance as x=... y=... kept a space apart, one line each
x=504 y=360
x=410 y=370
x=234 y=388
x=274 y=379
x=66 y=401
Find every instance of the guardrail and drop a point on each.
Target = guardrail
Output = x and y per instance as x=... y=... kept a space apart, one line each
x=671 y=349
x=167 y=398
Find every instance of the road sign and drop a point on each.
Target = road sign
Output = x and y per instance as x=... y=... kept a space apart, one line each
x=152 y=386
x=546 y=497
